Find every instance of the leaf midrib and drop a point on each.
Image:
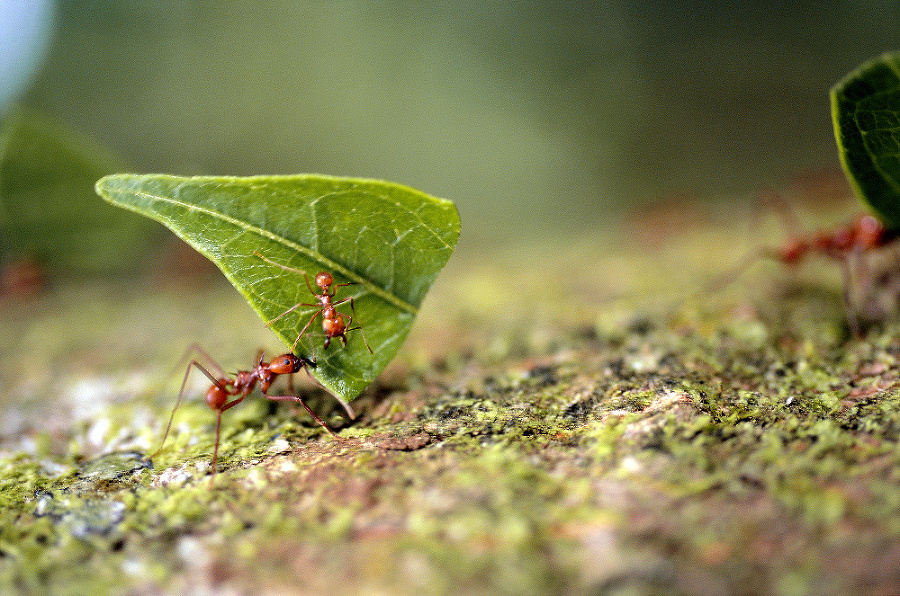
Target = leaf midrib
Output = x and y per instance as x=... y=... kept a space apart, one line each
x=327 y=264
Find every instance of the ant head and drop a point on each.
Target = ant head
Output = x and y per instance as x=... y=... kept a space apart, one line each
x=324 y=280
x=870 y=232
x=286 y=364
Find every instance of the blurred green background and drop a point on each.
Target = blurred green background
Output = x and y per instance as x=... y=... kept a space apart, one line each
x=534 y=118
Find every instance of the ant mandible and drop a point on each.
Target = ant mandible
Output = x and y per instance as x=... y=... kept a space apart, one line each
x=334 y=323
x=846 y=244
x=224 y=388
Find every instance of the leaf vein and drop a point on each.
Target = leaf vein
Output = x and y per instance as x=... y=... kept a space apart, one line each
x=328 y=264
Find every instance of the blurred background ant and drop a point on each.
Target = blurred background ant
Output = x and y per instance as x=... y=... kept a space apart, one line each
x=849 y=244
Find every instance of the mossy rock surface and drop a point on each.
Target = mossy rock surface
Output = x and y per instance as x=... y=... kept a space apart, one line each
x=624 y=432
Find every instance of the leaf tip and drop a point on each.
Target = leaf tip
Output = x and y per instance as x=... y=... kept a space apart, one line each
x=100 y=185
x=104 y=186
x=109 y=185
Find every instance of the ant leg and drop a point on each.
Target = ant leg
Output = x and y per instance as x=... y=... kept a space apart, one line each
x=298 y=305
x=215 y=458
x=775 y=200
x=210 y=361
x=297 y=398
x=290 y=384
x=287 y=312
x=361 y=332
x=849 y=306
x=219 y=412
x=187 y=372
x=350 y=413
x=729 y=276
x=309 y=287
x=271 y=262
x=346 y=406
x=296 y=341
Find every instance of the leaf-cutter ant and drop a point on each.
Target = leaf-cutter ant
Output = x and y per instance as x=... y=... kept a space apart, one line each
x=847 y=244
x=336 y=325
x=228 y=391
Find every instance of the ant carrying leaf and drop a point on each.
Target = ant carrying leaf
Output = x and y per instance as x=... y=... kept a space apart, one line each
x=228 y=391
x=394 y=237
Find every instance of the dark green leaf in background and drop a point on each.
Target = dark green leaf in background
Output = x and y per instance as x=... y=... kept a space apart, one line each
x=865 y=107
x=390 y=240
x=48 y=209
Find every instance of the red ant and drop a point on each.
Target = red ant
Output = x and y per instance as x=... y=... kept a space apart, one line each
x=845 y=244
x=862 y=234
x=224 y=388
x=334 y=324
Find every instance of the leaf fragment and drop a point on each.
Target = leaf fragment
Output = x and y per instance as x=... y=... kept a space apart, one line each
x=389 y=241
x=865 y=109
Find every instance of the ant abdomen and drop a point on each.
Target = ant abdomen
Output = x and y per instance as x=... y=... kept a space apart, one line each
x=217 y=395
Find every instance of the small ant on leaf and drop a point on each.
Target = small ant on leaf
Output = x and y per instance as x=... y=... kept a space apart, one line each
x=228 y=391
x=847 y=244
x=334 y=324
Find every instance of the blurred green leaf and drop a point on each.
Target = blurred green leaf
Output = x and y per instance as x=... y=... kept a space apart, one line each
x=389 y=240
x=865 y=107
x=48 y=209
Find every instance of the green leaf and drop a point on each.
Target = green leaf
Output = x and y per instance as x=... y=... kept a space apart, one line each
x=865 y=108
x=48 y=209
x=389 y=240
